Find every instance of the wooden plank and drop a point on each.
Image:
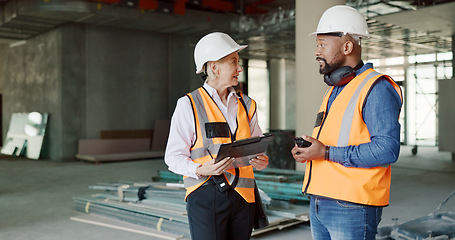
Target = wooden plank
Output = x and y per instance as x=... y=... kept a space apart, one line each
x=110 y=146
x=121 y=134
x=120 y=156
x=124 y=226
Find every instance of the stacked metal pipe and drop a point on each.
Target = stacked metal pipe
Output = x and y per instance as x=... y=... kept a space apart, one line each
x=160 y=204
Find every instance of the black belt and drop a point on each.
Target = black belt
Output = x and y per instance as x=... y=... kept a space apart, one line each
x=220 y=179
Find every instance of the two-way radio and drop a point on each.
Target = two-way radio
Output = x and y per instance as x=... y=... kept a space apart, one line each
x=302 y=143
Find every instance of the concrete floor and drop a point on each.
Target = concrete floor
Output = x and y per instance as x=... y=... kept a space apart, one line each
x=36 y=196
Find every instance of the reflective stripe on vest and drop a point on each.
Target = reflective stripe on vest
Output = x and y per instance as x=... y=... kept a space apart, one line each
x=242 y=183
x=250 y=105
x=343 y=138
x=205 y=110
x=344 y=126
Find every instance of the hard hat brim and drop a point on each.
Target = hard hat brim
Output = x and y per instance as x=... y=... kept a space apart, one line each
x=361 y=35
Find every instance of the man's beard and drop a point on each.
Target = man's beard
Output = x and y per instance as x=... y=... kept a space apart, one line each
x=328 y=68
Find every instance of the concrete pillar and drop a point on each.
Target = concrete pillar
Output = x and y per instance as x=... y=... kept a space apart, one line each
x=282 y=94
x=277 y=93
x=446 y=111
x=290 y=94
x=309 y=84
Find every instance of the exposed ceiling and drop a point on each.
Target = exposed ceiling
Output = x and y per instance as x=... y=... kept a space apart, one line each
x=397 y=27
x=401 y=28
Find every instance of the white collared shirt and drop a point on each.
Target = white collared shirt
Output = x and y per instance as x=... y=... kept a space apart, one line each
x=182 y=133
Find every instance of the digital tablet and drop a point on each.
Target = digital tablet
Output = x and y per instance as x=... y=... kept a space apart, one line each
x=244 y=150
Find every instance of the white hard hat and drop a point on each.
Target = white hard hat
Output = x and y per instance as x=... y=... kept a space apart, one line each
x=213 y=47
x=343 y=19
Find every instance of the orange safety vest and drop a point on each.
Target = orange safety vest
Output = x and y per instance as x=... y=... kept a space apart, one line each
x=205 y=110
x=344 y=126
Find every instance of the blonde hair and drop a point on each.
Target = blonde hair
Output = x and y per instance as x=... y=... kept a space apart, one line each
x=208 y=71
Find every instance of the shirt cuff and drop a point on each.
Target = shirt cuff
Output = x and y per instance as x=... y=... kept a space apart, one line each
x=336 y=154
x=192 y=170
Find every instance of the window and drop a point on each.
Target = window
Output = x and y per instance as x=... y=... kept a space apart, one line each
x=419 y=77
x=259 y=90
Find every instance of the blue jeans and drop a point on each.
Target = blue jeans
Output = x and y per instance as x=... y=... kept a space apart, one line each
x=341 y=220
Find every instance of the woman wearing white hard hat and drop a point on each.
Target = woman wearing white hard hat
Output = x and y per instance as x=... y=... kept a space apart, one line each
x=220 y=201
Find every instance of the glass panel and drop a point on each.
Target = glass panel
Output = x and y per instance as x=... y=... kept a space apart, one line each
x=394 y=61
x=422 y=98
x=445 y=56
x=422 y=58
x=421 y=78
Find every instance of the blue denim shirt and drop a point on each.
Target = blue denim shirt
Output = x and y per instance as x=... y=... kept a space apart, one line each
x=381 y=113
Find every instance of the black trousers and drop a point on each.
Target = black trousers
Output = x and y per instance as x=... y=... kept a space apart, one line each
x=215 y=215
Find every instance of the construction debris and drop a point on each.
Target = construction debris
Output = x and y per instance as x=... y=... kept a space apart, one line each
x=278 y=184
x=438 y=225
x=160 y=207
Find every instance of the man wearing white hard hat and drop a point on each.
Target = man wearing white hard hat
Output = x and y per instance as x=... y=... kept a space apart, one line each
x=356 y=136
x=220 y=201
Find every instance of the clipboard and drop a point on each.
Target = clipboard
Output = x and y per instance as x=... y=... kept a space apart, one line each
x=244 y=150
